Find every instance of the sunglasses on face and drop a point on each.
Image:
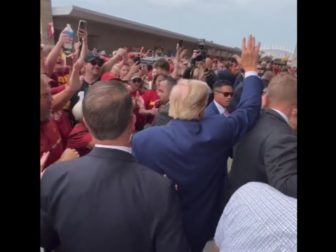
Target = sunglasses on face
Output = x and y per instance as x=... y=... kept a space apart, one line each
x=226 y=94
x=95 y=62
x=137 y=80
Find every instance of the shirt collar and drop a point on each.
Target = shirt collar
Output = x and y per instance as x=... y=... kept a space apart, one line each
x=114 y=147
x=220 y=108
x=281 y=114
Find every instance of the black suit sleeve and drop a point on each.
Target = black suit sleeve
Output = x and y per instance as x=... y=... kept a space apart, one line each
x=281 y=162
x=238 y=90
x=48 y=237
x=170 y=234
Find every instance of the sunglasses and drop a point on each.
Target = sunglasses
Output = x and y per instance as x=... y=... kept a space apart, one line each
x=226 y=94
x=137 y=80
x=97 y=62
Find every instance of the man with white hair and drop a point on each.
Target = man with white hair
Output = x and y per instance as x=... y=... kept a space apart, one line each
x=192 y=150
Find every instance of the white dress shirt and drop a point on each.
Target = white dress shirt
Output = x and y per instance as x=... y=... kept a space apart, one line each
x=281 y=114
x=251 y=73
x=220 y=108
x=114 y=147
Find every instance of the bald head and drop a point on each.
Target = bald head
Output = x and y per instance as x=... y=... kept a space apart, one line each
x=107 y=109
x=282 y=90
x=188 y=99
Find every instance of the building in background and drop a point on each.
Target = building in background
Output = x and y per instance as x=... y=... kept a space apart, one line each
x=46 y=22
x=109 y=32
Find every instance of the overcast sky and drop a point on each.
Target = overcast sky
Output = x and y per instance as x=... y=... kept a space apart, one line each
x=225 y=22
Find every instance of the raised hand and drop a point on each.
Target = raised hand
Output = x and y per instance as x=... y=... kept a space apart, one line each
x=183 y=53
x=250 y=53
x=82 y=34
x=195 y=54
x=64 y=38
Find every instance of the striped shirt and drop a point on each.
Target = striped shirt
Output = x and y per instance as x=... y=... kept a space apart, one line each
x=258 y=218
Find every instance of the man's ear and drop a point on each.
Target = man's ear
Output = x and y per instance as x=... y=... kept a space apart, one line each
x=264 y=101
x=293 y=119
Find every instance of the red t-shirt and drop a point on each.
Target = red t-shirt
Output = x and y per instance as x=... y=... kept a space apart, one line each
x=62 y=119
x=140 y=119
x=150 y=98
x=50 y=140
x=79 y=138
x=56 y=90
x=61 y=76
x=107 y=76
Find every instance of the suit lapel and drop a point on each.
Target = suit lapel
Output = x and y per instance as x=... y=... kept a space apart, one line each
x=214 y=108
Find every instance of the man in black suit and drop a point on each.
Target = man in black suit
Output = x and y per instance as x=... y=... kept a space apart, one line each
x=268 y=152
x=105 y=201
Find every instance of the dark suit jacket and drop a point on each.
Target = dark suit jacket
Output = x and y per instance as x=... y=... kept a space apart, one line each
x=211 y=110
x=238 y=89
x=105 y=201
x=162 y=116
x=193 y=154
x=267 y=153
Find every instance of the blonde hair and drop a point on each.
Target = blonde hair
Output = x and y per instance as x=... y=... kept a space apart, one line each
x=282 y=89
x=188 y=99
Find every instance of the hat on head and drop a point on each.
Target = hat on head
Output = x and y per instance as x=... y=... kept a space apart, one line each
x=92 y=57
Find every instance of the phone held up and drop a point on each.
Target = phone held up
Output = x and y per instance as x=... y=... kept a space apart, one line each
x=82 y=25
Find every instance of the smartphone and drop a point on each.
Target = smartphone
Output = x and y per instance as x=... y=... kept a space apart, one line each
x=82 y=25
x=180 y=42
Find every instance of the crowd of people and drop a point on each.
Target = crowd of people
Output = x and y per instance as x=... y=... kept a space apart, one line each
x=134 y=153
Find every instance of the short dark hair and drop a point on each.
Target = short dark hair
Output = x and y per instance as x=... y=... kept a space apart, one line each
x=107 y=109
x=149 y=67
x=157 y=77
x=221 y=83
x=230 y=62
x=162 y=63
x=170 y=81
